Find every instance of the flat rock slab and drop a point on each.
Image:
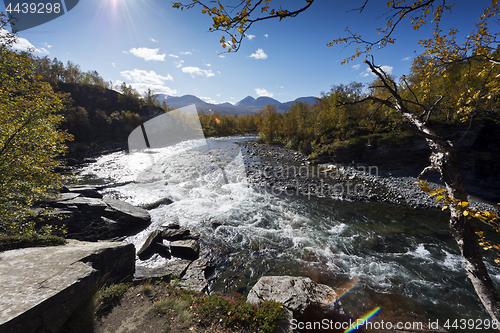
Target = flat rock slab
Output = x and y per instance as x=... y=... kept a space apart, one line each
x=175 y=268
x=41 y=287
x=189 y=248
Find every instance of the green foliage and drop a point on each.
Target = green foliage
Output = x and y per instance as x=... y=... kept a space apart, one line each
x=30 y=140
x=233 y=310
x=107 y=296
x=29 y=240
x=216 y=124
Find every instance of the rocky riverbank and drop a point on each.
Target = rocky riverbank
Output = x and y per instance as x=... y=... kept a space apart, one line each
x=283 y=171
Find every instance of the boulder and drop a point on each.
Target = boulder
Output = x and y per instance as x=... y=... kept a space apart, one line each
x=85 y=190
x=195 y=277
x=132 y=218
x=189 y=248
x=158 y=203
x=147 y=248
x=172 y=268
x=41 y=287
x=86 y=204
x=174 y=235
x=170 y=224
x=296 y=293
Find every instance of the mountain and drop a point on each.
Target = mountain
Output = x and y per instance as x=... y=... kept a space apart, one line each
x=247 y=101
x=263 y=101
x=247 y=105
x=309 y=100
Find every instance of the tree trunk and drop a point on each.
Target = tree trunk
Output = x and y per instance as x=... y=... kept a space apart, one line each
x=462 y=231
x=443 y=160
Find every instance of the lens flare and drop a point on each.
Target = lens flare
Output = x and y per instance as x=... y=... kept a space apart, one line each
x=342 y=290
x=363 y=319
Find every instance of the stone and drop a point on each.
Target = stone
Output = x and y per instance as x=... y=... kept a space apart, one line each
x=146 y=248
x=41 y=287
x=174 y=235
x=189 y=248
x=195 y=277
x=173 y=268
x=87 y=204
x=133 y=218
x=85 y=190
x=158 y=203
x=296 y=293
x=170 y=224
x=162 y=249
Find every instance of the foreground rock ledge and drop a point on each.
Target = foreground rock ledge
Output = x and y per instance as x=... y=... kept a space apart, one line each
x=41 y=287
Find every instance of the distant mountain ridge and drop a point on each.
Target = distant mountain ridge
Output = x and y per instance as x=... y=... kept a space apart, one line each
x=247 y=105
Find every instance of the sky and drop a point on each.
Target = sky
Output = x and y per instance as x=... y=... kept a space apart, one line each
x=149 y=44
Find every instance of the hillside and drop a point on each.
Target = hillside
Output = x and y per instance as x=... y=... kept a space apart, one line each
x=247 y=105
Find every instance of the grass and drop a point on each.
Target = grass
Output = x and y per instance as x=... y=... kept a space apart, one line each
x=181 y=310
x=228 y=311
x=30 y=240
x=108 y=296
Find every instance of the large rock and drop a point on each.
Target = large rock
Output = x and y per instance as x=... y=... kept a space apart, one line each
x=41 y=287
x=296 y=293
x=135 y=218
x=146 y=248
x=189 y=248
x=86 y=190
x=175 y=268
x=195 y=277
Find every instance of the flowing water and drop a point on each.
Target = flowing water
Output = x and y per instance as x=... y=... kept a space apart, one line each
x=406 y=259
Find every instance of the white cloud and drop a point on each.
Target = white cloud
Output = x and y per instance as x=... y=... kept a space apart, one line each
x=186 y=53
x=178 y=63
x=266 y=35
x=387 y=69
x=208 y=65
x=221 y=56
x=218 y=95
x=142 y=76
x=147 y=54
x=113 y=64
x=263 y=92
x=208 y=100
x=173 y=56
x=197 y=71
x=142 y=80
x=47 y=45
x=153 y=40
x=157 y=88
x=24 y=45
x=407 y=58
x=251 y=37
x=356 y=67
x=259 y=54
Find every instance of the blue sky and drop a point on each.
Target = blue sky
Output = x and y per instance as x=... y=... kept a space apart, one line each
x=150 y=44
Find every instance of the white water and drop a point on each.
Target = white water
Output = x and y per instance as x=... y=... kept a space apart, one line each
x=405 y=258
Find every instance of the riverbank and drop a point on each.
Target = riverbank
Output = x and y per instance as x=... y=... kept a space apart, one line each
x=283 y=171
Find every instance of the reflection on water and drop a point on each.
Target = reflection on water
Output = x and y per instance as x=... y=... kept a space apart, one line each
x=406 y=259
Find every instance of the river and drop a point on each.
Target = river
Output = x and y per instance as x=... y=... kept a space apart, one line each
x=406 y=258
